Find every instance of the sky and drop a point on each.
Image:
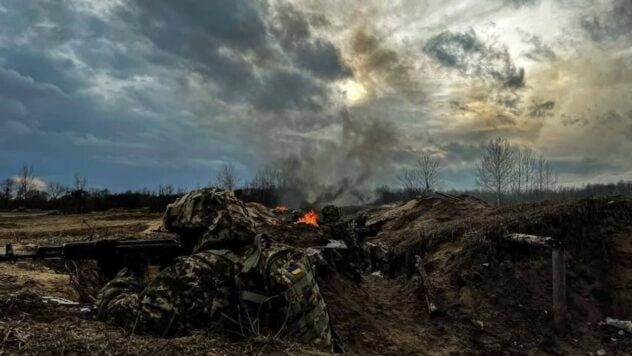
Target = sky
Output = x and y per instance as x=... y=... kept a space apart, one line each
x=137 y=93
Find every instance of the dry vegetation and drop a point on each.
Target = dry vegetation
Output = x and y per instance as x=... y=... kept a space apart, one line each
x=42 y=227
x=496 y=295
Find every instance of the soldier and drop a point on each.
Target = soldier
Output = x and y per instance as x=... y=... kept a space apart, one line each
x=256 y=287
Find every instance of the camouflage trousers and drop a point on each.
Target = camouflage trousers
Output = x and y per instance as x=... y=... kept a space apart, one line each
x=195 y=291
x=277 y=296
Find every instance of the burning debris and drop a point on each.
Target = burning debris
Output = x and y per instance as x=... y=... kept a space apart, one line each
x=310 y=218
x=295 y=216
x=280 y=209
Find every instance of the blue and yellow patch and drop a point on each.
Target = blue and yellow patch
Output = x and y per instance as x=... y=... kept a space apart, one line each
x=294 y=269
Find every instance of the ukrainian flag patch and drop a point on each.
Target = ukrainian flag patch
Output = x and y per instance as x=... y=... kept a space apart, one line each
x=294 y=269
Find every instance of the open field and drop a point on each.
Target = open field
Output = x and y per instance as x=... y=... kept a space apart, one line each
x=43 y=227
x=496 y=296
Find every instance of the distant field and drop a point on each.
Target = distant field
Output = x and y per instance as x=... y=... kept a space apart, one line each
x=45 y=228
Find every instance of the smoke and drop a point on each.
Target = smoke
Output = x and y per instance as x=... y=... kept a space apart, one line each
x=339 y=171
x=381 y=69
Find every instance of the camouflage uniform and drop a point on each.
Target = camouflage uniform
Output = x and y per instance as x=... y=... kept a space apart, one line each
x=275 y=292
x=195 y=291
x=208 y=218
x=284 y=282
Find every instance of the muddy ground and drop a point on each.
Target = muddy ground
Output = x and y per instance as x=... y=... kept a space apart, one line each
x=496 y=295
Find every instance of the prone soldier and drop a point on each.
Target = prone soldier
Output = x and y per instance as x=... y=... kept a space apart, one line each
x=233 y=279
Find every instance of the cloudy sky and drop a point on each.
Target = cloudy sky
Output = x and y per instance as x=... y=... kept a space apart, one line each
x=135 y=93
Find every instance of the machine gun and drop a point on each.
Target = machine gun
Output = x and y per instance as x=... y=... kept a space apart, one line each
x=111 y=255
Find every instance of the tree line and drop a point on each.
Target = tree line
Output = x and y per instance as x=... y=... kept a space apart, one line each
x=505 y=174
x=26 y=191
x=503 y=171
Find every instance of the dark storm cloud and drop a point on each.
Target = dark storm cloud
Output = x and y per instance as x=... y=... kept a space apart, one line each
x=137 y=92
x=612 y=24
x=54 y=42
x=17 y=96
x=16 y=87
x=45 y=107
x=467 y=53
x=377 y=65
x=52 y=111
x=111 y=88
x=42 y=68
x=281 y=90
x=232 y=45
x=210 y=37
x=293 y=31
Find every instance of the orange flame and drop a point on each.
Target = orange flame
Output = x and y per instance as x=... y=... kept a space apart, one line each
x=280 y=209
x=310 y=218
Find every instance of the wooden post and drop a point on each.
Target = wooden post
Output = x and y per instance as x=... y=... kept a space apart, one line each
x=559 y=275
x=559 y=290
x=433 y=310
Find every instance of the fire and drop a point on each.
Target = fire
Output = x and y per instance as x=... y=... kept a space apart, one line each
x=310 y=218
x=280 y=209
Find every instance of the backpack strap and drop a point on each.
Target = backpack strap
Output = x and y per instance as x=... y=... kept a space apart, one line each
x=253 y=297
x=253 y=260
x=227 y=254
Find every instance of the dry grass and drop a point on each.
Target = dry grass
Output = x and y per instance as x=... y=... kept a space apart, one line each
x=39 y=228
x=30 y=326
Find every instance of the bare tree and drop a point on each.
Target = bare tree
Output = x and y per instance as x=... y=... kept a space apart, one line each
x=226 y=177
x=7 y=187
x=266 y=178
x=423 y=178
x=165 y=190
x=429 y=172
x=80 y=182
x=551 y=178
x=495 y=170
x=545 y=177
x=411 y=181
x=25 y=181
x=264 y=183
x=523 y=171
x=56 y=190
x=528 y=168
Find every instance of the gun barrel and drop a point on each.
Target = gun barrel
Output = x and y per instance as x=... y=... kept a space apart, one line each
x=98 y=250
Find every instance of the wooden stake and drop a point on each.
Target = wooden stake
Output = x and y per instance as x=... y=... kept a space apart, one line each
x=433 y=310
x=558 y=273
x=533 y=240
x=559 y=290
